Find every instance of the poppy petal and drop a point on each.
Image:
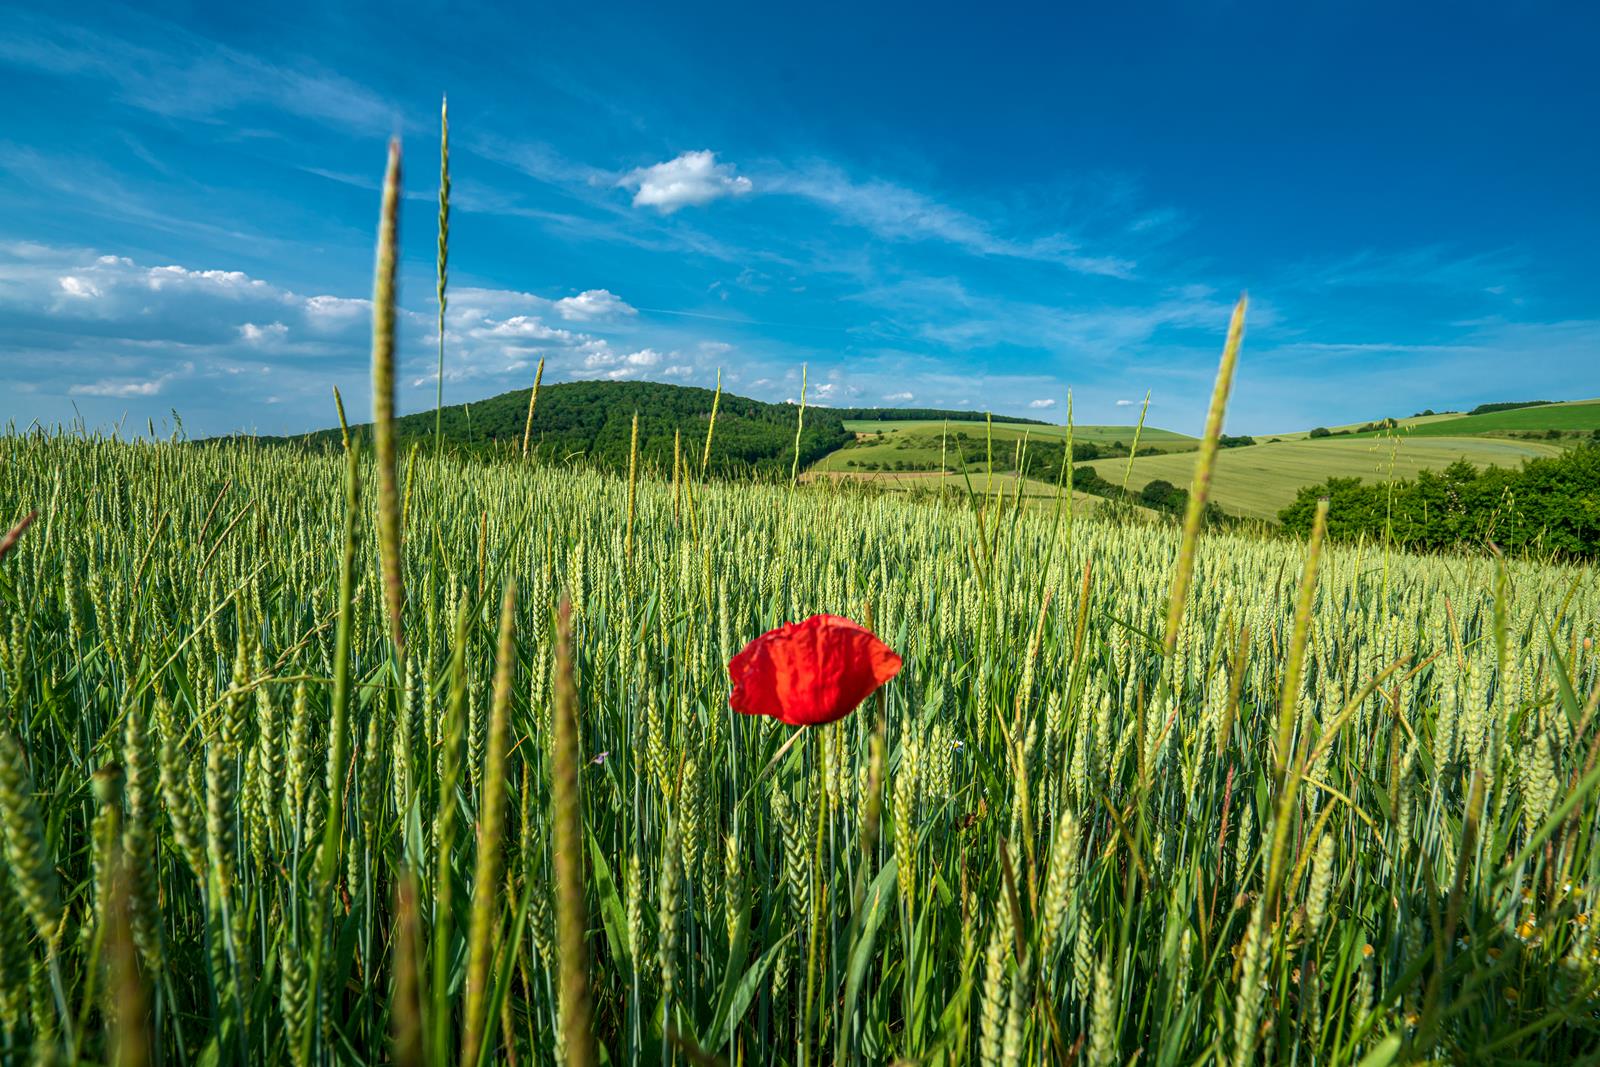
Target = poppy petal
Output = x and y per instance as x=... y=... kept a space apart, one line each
x=812 y=672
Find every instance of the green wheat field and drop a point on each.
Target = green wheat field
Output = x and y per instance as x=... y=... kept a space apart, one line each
x=310 y=758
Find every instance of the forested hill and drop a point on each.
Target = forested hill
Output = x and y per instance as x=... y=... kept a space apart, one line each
x=592 y=422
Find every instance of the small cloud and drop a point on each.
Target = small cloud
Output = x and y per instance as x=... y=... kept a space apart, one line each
x=520 y=327
x=72 y=285
x=900 y=397
x=602 y=360
x=715 y=348
x=252 y=334
x=1045 y=402
x=592 y=304
x=332 y=309
x=1127 y=403
x=109 y=388
x=105 y=387
x=693 y=178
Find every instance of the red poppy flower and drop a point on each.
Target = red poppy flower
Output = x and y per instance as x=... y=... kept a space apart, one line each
x=810 y=673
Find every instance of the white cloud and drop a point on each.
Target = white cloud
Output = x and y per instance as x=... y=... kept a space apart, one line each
x=221 y=281
x=106 y=387
x=522 y=327
x=336 y=310
x=602 y=361
x=692 y=179
x=1044 y=402
x=593 y=304
x=1127 y=403
x=73 y=285
x=110 y=387
x=253 y=334
x=899 y=397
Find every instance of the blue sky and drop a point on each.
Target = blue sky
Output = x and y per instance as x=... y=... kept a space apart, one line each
x=977 y=206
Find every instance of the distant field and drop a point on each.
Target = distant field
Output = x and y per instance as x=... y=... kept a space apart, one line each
x=1036 y=492
x=1579 y=415
x=1010 y=431
x=919 y=442
x=1352 y=427
x=1571 y=415
x=1258 y=481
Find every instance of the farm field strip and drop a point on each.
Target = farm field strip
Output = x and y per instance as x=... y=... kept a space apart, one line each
x=1258 y=481
x=1570 y=416
x=1011 y=431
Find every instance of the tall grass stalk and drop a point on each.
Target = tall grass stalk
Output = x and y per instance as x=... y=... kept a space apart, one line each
x=1200 y=487
x=566 y=817
x=443 y=265
x=483 y=936
x=533 y=399
x=383 y=430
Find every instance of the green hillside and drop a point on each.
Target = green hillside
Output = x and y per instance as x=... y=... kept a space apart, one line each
x=1573 y=417
x=591 y=422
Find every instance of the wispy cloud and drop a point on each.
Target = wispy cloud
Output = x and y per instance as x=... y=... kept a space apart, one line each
x=124 y=389
x=192 y=77
x=895 y=212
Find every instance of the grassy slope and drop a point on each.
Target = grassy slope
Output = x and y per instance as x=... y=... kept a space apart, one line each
x=1573 y=415
x=1259 y=480
x=1352 y=427
x=1036 y=492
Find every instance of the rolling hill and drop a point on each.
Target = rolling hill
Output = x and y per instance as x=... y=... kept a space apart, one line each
x=1570 y=417
x=591 y=422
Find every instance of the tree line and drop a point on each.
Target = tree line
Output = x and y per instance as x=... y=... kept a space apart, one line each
x=1548 y=506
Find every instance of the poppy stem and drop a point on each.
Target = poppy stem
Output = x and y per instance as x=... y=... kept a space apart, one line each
x=818 y=896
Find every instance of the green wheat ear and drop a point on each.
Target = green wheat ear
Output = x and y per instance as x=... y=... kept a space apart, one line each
x=533 y=399
x=484 y=933
x=1201 y=486
x=383 y=427
x=443 y=262
x=799 y=425
x=566 y=812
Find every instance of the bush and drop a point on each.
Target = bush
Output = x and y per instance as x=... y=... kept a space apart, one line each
x=1321 y=431
x=1161 y=495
